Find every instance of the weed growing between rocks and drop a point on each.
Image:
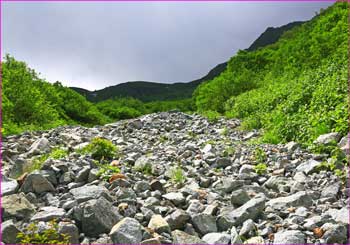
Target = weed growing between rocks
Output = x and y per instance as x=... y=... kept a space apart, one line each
x=51 y=235
x=101 y=149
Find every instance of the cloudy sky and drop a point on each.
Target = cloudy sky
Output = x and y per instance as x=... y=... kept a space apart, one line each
x=93 y=45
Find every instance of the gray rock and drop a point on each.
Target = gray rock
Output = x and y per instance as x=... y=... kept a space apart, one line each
x=83 y=174
x=331 y=190
x=250 y=210
x=142 y=162
x=289 y=237
x=88 y=192
x=70 y=230
x=239 y=197
x=127 y=231
x=339 y=215
x=156 y=185
x=325 y=139
x=228 y=185
x=223 y=162
x=292 y=146
x=177 y=219
x=16 y=206
x=175 y=197
x=334 y=233
x=141 y=186
x=9 y=232
x=8 y=186
x=247 y=228
x=308 y=167
x=158 y=224
x=93 y=175
x=217 y=238
x=126 y=195
x=235 y=238
x=98 y=217
x=255 y=240
x=181 y=237
x=36 y=182
x=298 y=199
x=204 y=223
x=39 y=146
x=48 y=213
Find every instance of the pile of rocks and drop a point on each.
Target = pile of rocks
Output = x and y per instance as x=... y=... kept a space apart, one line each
x=222 y=200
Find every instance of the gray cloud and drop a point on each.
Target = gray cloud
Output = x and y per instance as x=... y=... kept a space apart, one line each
x=97 y=44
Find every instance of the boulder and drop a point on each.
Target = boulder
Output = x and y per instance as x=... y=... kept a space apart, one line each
x=8 y=186
x=325 y=139
x=204 y=223
x=17 y=206
x=217 y=238
x=289 y=237
x=88 y=192
x=48 y=213
x=98 y=217
x=301 y=198
x=158 y=224
x=126 y=231
x=36 y=182
x=250 y=210
x=181 y=237
x=177 y=219
x=9 y=232
x=70 y=230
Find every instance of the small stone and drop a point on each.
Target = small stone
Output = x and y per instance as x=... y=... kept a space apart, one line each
x=158 y=224
x=331 y=191
x=156 y=185
x=255 y=240
x=335 y=234
x=308 y=167
x=235 y=238
x=247 y=228
x=88 y=192
x=83 y=175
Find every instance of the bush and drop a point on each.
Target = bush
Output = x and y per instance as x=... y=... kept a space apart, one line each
x=178 y=176
x=48 y=236
x=101 y=149
x=260 y=168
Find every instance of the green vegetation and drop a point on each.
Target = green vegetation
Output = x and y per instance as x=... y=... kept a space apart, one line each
x=146 y=169
x=106 y=171
x=260 y=168
x=259 y=155
x=294 y=89
x=177 y=175
x=100 y=149
x=51 y=235
x=58 y=153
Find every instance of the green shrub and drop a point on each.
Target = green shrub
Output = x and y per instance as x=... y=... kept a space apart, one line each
x=106 y=171
x=177 y=175
x=48 y=236
x=58 y=153
x=101 y=149
x=145 y=169
x=259 y=155
x=260 y=168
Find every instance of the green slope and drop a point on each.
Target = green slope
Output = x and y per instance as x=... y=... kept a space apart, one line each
x=295 y=89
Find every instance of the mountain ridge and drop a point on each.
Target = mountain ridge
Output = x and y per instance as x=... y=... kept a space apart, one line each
x=147 y=91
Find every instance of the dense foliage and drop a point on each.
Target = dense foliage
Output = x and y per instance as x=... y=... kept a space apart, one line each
x=31 y=103
x=295 y=89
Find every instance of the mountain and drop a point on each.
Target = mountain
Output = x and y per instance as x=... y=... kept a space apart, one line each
x=151 y=91
x=272 y=34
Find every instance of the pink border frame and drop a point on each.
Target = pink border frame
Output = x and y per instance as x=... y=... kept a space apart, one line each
x=348 y=153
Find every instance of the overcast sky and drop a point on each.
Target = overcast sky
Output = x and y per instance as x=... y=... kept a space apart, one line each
x=97 y=44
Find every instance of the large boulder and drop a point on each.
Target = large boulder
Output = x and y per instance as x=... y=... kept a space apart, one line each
x=289 y=237
x=36 y=182
x=88 y=192
x=39 y=146
x=325 y=139
x=98 y=217
x=204 y=223
x=17 y=206
x=9 y=232
x=49 y=213
x=126 y=231
x=8 y=186
x=301 y=198
x=250 y=210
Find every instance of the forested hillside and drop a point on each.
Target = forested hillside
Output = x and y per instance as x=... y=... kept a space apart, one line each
x=295 y=89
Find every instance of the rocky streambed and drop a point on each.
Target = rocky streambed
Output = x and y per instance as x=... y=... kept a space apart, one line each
x=182 y=180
